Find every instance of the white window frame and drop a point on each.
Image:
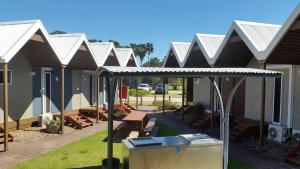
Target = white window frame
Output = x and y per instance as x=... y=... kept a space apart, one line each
x=290 y=89
x=9 y=74
x=43 y=71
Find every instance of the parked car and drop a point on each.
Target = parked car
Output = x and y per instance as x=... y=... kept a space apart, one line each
x=144 y=86
x=159 y=89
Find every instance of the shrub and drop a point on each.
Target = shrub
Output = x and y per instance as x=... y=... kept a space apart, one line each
x=198 y=109
x=132 y=92
x=118 y=113
x=168 y=105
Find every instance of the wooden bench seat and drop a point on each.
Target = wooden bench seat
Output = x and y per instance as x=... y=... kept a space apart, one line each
x=149 y=127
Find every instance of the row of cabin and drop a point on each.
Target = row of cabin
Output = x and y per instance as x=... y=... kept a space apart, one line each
x=253 y=45
x=35 y=61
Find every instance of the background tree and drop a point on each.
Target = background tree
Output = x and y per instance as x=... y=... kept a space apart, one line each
x=154 y=62
x=150 y=49
x=94 y=40
x=57 y=32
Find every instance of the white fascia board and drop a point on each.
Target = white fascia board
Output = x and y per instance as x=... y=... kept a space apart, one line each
x=21 y=42
x=281 y=33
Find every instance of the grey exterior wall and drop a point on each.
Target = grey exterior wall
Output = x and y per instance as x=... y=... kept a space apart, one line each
x=20 y=91
x=202 y=91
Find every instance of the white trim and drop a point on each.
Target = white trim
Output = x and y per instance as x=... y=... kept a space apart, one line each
x=290 y=89
x=43 y=83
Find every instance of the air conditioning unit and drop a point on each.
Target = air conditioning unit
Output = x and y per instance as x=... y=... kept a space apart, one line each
x=44 y=118
x=296 y=136
x=277 y=133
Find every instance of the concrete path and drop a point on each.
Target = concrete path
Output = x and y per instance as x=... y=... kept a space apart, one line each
x=19 y=152
x=256 y=159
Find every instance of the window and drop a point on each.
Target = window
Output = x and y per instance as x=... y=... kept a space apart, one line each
x=277 y=101
x=9 y=77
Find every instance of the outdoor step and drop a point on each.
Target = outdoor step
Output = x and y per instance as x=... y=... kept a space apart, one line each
x=2 y=140
x=295 y=160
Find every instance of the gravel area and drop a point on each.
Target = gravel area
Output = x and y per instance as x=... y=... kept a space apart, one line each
x=34 y=134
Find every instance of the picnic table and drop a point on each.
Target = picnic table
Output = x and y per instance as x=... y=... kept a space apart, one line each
x=135 y=117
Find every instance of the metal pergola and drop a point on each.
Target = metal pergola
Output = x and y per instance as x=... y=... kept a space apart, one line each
x=112 y=74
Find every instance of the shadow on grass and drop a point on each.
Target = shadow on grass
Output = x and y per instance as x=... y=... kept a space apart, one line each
x=89 y=167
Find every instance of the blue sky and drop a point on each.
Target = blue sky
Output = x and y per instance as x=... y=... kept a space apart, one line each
x=140 y=21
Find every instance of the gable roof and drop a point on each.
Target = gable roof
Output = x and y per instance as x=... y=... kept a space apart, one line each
x=102 y=50
x=14 y=35
x=68 y=44
x=180 y=50
x=282 y=32
x=256 y=36
x=124 y=54
x=208 y=44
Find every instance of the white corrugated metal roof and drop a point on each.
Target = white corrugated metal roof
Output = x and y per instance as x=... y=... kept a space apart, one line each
x=260 y=34
x=180 y=50
x=257 y=36
x=124 y=54
x=15 y=34
x=281 y=33
x=68 y=44
x=208 y=44
x=102 y=50
x=185 y=72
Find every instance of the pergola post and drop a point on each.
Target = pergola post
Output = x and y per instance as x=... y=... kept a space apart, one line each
x=97 y=99
x=164 y=94
x=212 y=120
x=5 y=104
x=182 y=103
x=262 y=109
x=62 y=109
x=224 y=117
x=136 y=94
x=111 y=84
x=120 y=94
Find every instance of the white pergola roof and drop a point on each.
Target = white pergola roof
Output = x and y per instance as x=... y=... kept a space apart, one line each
x=124 y=54
x=184 y=72
x=14 y=35
x=102 y=50
x=208 y=44
x=180 y=50
x=68 y=44
x=288 y=24
x=257 y=36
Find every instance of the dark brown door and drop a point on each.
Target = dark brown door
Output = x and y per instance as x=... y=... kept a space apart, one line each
x=238 y=104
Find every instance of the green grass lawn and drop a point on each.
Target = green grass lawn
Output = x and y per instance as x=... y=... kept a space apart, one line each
x=88 y=152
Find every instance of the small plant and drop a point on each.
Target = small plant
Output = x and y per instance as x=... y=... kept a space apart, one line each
x=53 y=126
x=197 y=110
x=118 y=113
x=168 y=105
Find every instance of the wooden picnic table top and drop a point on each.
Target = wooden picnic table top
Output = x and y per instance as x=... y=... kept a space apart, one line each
x=135 y=116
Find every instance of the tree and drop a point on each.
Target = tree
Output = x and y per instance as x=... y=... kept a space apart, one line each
x=57 y=32
x=154 y=62
x=95 y=40
x=116 y=43
x=150 y=49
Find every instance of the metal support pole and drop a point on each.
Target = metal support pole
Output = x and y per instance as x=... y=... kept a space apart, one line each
x=224 y=118
x=120 y=94
x=97 y=99
x=5 y=104
x=164 y=94
x=111 y=84
x=62 y=80
x=137 y=93
x=262 y=109
x=183 y=84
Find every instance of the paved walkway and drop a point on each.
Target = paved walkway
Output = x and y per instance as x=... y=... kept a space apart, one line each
x=19 y=152
x=256 y=159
